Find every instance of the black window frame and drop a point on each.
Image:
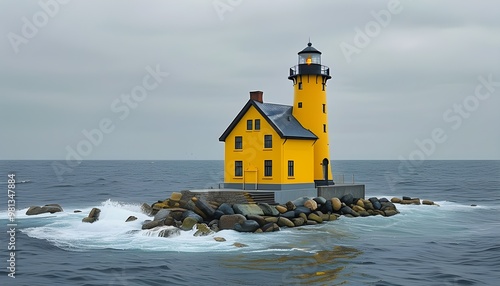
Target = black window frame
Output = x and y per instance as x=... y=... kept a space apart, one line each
x=268 y=168
x=291 y=168
x=249 y=124
x=257 y=124
x=238 y=168
x=238 y=144
x=268 y=141
x=299 y=105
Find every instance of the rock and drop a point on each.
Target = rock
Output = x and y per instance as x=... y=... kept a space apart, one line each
x=416 y=201
x=390 y=212
x=259 y=219
x=202 y=230
x=315 y=218
x=270 y=227
x=50 y=208
x=348 y=211
x=299 y=202
x=303 y=215
x=188 y=223
x=336 y=203
x=193 y=215
x=237 y=244
x=247 y=226
x=271 y=219
x=219 y=239
x=427 y=202
x=396 y=200
x=405 y=198
x=169 y=221
x=290 y=206
x=327 y=207
x=93 y=215
x=205 y=207
x=298 y=221
x=215 y=227
x=320 y=200
x=161 y=214
x=218 y=214
x=289 y=214
x=151 y=224
x=383 y=200
x=311 y=204
x=226 y=209
x=169 y=232
x=357 y=208
x=269 y=210
x=77 y=211
x=228 y=221
x=247 y=209
x=333 y=217
x=368 y=205
x=360 y=203
x=131 y=218
x=375 y=202
x=364 y=213
x=283 y=221
x=281 y=209
x=347 y=199
x=259 y=230
x=311 y=222
x=387 y=206
x=300 y=210
x=146 y=209
x=325 y=217
x=176 y=197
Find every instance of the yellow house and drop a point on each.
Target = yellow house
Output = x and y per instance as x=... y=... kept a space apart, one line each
x=280 y=147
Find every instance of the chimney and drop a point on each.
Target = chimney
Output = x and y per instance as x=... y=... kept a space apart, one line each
x=257 y=96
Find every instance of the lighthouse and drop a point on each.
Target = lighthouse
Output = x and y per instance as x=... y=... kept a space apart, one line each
x=310 y=107
x=270 y=146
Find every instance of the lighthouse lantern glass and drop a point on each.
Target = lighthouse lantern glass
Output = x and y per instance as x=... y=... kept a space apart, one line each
x=309 y=58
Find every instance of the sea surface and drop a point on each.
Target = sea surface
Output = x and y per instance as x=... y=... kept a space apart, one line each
x=455 y=243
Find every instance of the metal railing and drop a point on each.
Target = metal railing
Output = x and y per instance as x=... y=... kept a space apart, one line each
x=343 y=179
x=324 y=70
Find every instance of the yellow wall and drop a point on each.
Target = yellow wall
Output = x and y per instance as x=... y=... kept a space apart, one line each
x=253 y=155
x=312 y=117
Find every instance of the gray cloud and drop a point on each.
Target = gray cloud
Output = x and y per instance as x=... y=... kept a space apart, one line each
x=395 y=91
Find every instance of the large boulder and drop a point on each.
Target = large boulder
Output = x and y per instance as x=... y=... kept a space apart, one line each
x=347 y=199
x=247 y=226
x=336 y=204
x=151 y=224
x=376 y=203
x=259 y=219
x=311 y=204
x=203 y=206
x=300 y=210
x=327 y=207
x=247 y=209
x=93 y=216
x=289 y=214
x=269 y=210
x=300 y=201
x=193 y=215
x=188 y=223
x=161 y=214
x=226 y=209
x=320 y=200
x=50 y=208
x=283 y=221
x=146 y=209
x=270 y=227
x=228 y=221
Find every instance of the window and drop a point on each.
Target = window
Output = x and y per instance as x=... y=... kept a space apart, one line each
x=324 y=128
x=238 y=168
x=238 y=142
x=268 y=141
x=268 y=168
x=257 y=124
x=299 y=105
x=300 y=85
x=324 y=108
x=323 y=88
x=249 y=124
x=290 y=169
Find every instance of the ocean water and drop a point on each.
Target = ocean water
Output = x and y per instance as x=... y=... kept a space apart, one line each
x=455 y=243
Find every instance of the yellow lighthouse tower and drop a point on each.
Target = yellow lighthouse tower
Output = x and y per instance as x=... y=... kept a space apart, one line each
x=309 y=107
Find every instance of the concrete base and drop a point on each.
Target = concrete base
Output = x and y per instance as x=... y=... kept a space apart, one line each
x=280 y=196
x=328 y=192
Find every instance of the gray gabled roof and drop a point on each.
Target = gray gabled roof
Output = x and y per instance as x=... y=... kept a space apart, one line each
x=278 y=116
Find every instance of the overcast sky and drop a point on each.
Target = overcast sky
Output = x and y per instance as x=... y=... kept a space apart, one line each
x=418 y=80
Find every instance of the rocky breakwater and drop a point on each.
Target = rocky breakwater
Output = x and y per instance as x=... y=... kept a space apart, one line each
x=412 y=201
x=207 y=217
